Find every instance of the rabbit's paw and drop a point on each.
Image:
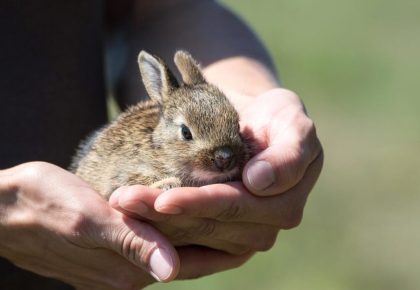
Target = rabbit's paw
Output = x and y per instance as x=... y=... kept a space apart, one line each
x=167 y=183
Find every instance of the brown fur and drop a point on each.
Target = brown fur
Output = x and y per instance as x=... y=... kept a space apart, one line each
x=144 y=145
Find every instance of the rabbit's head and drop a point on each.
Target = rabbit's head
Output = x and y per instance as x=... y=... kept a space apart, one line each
x=198 y=132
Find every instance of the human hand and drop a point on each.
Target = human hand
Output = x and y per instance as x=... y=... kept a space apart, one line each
x=228 y=217
x=212 y=216
x=54 y=224
x=289 y=153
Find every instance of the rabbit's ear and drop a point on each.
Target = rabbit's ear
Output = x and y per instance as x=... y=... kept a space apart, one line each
x=189 y=68
x=157 y=78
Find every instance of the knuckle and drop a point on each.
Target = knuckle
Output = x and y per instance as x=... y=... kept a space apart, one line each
x=292 y=218
x=311 y=138
x=296 y=166
x=254 y=238
x=266 y=239
x=267 y=243
x=309 y=124
x=79 y=230
x=240 y=249
x=32 y=170
x=200 y=230
x=21 y=219
x=205 y=228
x=78 y=223
x=231 y=212
x=180 y=236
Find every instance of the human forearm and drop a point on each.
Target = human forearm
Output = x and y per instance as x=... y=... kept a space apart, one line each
x=230 y=53
x=210 y=31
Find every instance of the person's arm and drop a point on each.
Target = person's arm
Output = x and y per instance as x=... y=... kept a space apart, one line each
x=54 y=224
x=290 y=157
x=211 y=33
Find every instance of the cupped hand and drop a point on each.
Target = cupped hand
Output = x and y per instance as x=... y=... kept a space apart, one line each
x=289 y=151
x=54 y=224
x=242 y=217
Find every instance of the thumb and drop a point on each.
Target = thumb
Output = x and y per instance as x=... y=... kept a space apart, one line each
x=274 y=170
x=142 y=245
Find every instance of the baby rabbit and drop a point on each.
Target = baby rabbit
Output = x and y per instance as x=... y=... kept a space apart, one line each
x=186 y=135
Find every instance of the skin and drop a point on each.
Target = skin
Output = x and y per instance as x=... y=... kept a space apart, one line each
x=60 y=227
x=54 y=224
x=228 y=217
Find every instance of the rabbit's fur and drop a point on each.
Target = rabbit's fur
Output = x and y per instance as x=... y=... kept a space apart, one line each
x=186 y=135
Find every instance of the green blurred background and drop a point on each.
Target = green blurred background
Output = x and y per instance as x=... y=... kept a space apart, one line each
x=356 y=65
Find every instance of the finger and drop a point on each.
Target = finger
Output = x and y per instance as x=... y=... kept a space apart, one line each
x=137 y=201
x=283 y=164
x=201 y=261
x=185 y=236
x=139 y=243
x=233 y=237
x=232 y=202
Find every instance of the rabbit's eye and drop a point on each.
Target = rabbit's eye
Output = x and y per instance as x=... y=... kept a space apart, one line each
x=186 y=133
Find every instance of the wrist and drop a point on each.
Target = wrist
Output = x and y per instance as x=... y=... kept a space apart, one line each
x=241 y=79
x=241 y=75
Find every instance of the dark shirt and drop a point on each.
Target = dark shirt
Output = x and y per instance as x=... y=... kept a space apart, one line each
x=52 y=91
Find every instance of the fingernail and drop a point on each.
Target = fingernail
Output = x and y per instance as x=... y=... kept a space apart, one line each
x=168 y=209
x=161 y=265
x=260 y=175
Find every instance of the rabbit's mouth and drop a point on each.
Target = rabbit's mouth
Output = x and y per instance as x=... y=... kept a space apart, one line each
x=208 y=176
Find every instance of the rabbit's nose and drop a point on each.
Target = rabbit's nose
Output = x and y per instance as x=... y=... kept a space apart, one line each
x=223 y=158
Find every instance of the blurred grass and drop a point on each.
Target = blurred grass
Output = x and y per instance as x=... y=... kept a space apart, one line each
x=357 y=68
